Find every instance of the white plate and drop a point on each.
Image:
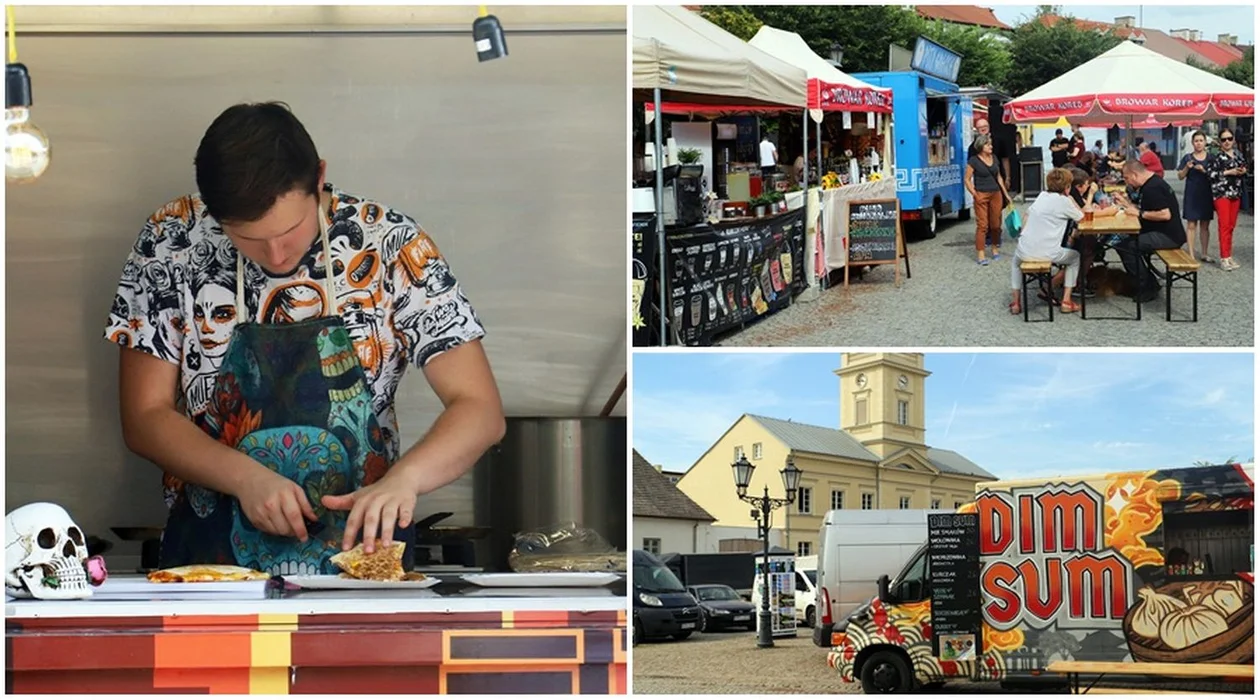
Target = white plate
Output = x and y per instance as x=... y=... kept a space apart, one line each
x=337 y=583
x=497 y=592
x=547 y=580
x=138 y=585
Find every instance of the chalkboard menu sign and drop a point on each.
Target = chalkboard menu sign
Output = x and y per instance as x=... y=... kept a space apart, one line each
x=645 y=295
x=724 y=275
x=874 y=231
x=954 y=563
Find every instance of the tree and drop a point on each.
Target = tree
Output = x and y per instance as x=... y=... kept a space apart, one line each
x=733 y=18
x=1041 y=53
x=986 y=60
x=865 y=31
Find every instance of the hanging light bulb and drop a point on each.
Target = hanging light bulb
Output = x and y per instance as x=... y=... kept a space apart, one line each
x=26 y=149
x=488 y=36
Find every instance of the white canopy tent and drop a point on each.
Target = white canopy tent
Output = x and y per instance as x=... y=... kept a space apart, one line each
x=1129 y=83
x=691 y=64
x=677 y=50
x=829 y=88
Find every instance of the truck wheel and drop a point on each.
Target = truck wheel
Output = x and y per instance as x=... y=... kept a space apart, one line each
x=809 y=617
x=964 y=214
x=886 y=672
x=682 y=635
x=703 y=626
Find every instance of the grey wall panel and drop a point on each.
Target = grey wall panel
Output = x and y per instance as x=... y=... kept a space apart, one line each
x=516 y=168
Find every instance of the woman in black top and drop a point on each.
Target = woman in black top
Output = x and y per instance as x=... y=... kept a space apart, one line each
x=984 y=181
x=1226 y=172
x=1197 y=205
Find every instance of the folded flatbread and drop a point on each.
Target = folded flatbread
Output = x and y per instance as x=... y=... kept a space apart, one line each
x=206 y=573
x=384 y=564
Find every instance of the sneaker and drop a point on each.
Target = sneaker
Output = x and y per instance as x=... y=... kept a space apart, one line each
x=1229 y=264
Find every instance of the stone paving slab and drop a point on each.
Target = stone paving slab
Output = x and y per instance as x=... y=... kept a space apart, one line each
x=950 y=301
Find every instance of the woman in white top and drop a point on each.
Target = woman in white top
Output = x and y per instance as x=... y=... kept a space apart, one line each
x=1043 y=239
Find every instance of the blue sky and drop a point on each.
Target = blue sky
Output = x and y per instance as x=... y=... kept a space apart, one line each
x=1211 y=20
x=1026 y=414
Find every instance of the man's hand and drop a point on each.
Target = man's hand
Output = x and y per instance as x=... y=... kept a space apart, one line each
x=389 y=502
x=275 y=504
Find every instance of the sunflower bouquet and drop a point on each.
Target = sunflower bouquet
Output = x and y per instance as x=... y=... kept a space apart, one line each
x=830 y=181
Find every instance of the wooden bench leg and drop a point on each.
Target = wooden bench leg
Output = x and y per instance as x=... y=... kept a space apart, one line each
x=1168 y=288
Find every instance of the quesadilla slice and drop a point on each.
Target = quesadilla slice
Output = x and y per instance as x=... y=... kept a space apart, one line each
x=384 y=564
x=206 y=573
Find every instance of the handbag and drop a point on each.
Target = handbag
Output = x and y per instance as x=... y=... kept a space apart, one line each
x=1012 y=221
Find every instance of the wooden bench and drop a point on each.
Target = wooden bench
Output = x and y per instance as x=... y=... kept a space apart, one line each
x=1039 y=272
x=1074 y=669
x=1180 y=266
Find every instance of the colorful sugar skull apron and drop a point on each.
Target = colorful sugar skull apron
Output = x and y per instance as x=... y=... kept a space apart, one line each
x=295 y=398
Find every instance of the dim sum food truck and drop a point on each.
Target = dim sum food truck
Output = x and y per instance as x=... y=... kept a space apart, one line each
x=1139 y=567
x=931 y=133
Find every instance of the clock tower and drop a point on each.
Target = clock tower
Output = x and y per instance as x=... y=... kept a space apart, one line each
x=882 y=401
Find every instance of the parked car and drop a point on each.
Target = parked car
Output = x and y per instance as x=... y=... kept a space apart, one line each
x=722 y=608
x=662 y=606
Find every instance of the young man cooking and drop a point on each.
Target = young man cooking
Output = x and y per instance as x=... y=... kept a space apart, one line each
x=283 y=312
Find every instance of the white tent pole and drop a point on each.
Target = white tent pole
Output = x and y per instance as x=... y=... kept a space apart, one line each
x=818 y=131
x=805 y=153
x=660 y=213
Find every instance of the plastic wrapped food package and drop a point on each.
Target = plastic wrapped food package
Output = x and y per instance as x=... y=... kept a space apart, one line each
x=564 y=547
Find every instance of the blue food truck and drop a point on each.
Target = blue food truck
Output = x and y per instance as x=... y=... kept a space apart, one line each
x=931 y=132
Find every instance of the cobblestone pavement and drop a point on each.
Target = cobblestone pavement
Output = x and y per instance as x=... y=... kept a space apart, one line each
x=952 y=301
x=730 y=663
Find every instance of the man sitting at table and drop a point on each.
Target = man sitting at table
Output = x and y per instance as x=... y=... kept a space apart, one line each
x=1160 y=218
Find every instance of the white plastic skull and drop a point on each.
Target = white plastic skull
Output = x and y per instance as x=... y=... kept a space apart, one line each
x=45 y=554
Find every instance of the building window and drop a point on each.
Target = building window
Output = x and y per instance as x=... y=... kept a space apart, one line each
x=861 y=412
x=756 y=450
x=837 y=500
x=957 y=505
x=936 y=504
x=804 y=549
x=804 y=500
x=868 y=501
x=652 y=545
x=739 y=452
x=903 y=413
x=904 y=503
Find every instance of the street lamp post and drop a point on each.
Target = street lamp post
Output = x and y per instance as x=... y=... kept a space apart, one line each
x=837 y=55
x=743 y=471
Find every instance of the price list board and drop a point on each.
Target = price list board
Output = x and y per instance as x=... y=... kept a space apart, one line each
x=954 y=585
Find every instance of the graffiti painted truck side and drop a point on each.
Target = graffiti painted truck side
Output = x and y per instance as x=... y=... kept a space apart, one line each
x=1152 y=566
x=929 y=155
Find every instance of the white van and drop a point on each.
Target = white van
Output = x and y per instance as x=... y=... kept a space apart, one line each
x=806 y=589
x=855 y=548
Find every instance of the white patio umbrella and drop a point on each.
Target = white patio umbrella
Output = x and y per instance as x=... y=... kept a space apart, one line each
x=1129 y=83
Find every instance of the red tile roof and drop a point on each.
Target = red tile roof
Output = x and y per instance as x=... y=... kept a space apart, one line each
x=1090 y=25
x=962 y=14
x=1218 y=54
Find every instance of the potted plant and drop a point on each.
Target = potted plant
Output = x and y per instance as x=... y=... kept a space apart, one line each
x=689 y=156
x=760 y=204
x=778 y=203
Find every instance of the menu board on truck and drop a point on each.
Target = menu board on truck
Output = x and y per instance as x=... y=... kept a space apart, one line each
x=954 y=585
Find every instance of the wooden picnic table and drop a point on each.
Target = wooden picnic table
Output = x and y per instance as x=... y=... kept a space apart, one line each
x=1074 y=669
x=1127 y=225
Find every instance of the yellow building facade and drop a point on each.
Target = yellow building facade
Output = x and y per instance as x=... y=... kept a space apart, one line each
x=877 y=459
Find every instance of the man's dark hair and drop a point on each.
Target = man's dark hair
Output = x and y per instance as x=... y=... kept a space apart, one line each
x=251 y=155
x=1058 y=132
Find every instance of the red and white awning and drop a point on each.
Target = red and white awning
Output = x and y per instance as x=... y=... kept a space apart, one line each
x=1132 y=82
x=828 y=88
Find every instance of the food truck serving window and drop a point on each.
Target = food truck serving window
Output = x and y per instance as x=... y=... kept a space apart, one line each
x=1207 y=538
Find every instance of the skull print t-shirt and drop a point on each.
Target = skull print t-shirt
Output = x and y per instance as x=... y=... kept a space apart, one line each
x=400 y=303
